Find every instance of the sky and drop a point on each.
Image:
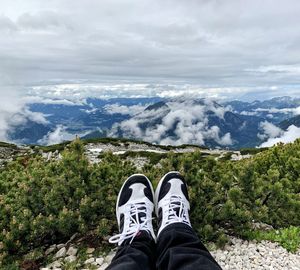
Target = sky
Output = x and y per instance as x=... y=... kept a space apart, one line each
x=224 y=49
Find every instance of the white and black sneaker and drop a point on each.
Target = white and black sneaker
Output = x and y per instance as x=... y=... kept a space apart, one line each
x=172 y=201
x=134 y=209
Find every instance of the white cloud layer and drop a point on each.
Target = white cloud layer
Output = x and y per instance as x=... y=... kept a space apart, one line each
x=290 y=135
x=180 y=122
x=269 y=131
x=65 y=50
x=126 y=110
x=294 y=111
x=216 y=44
x=14 y=112
x=57 y=136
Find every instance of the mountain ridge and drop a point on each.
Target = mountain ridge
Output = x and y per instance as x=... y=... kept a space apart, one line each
x=240 y=122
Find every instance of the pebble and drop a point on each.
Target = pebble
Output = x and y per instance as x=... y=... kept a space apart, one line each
x=238 y=254
x=251 y=255
x=53 y=265
x=60 y=253
x=50 y=250
x=72 y=251
x=59 y=246
x=90 y=250
x=70 y=258
x=90 y=260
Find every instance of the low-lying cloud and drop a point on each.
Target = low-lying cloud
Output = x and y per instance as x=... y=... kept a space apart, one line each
x=290 y=135
x=269 y=130
x=176 y=123
x=294 y=111
x=58 y=135
x=123 y=109
x=14 y=113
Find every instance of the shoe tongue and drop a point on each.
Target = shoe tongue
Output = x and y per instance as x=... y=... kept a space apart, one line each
x=140 y=216
x=177 y=208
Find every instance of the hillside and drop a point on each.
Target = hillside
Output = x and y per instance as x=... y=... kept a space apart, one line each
x=291 y=121
x=51 y=194
x=202 y=121
x=198 y=121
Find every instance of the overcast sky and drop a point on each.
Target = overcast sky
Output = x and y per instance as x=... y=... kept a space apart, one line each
x=223 y=46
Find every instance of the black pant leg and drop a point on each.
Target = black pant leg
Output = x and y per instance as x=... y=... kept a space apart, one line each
x=178 y=247
x=139 y=255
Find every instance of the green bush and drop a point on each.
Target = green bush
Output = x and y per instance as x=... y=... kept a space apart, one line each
x=46 y=202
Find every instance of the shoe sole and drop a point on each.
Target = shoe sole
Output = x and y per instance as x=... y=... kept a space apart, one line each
x=137 y=174
x=158 y=190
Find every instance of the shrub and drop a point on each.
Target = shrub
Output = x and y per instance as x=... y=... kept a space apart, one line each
x=46 y=202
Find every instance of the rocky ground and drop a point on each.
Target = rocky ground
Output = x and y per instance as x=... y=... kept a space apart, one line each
x=238 y=254
x=10 y=152
x=93 y=151
x=252 y=255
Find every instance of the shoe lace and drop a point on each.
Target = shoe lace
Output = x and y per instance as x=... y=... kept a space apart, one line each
x=137 y=222
x=176 y=210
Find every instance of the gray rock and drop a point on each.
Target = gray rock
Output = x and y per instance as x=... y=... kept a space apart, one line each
x=89 y=261
x=70 y=258
x=50 y=249
x=61 y=253
x=90 y=250
x=59 y=246
x=72 y=251
x=54 y=265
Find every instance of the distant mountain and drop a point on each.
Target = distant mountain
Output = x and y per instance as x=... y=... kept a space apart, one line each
x=179 y=121
x=277 y=102
x=157 y=105
x=29 y=133
x=89 y=117
x=99 y=103
x=231 y=124
x=291 y=121
x=274 y=110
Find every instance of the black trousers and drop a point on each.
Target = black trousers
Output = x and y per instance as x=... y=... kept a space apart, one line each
x=177 y=248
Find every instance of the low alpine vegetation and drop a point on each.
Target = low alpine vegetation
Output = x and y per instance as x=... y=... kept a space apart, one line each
x=46 y=202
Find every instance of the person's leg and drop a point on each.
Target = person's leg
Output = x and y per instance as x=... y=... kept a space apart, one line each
x=136 y=239
x=178 y=246
x=140 y=254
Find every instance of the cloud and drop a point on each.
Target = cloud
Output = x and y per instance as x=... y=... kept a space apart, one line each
x=14 y=112
x=25 y=115
x=68 y=50
x=178 y=122
x=9 y=106
x=209 y=45
x=269 y=130
x=126 y=110
x=57 y=136
x=290 y=135
x=289 y=69
x=294 y=111
x=39 y=99
x=248 y=113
